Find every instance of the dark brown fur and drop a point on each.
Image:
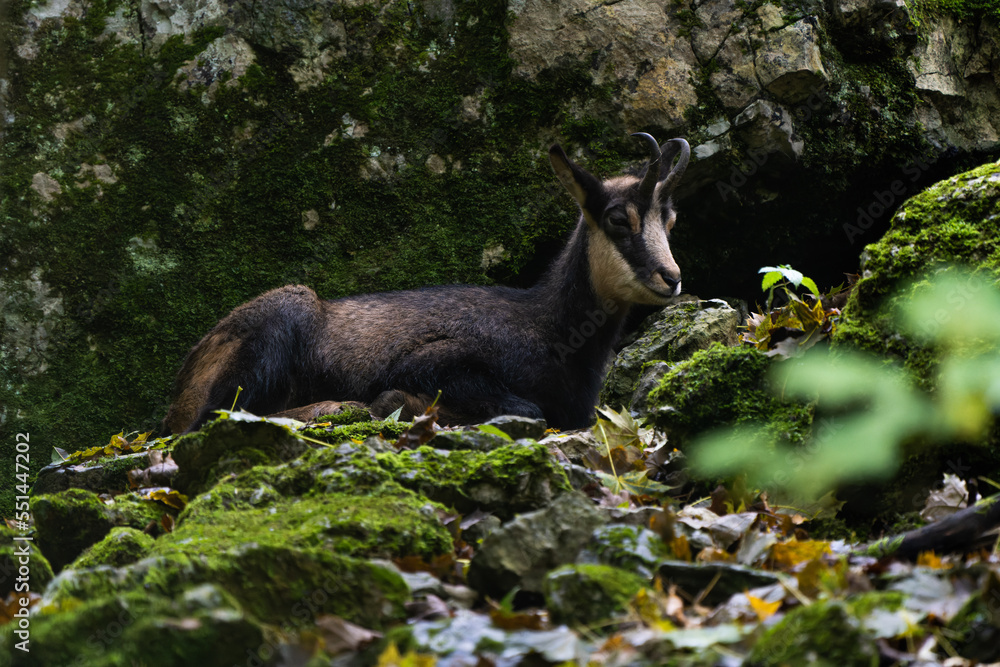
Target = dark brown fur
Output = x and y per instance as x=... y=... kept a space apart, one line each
x=538 y=352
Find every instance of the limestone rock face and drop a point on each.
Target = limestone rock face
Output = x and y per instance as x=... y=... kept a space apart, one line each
x=790 y=65
x=634 y=46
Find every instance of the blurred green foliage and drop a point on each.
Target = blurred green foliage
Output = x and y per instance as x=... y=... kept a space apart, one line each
x=869 y=408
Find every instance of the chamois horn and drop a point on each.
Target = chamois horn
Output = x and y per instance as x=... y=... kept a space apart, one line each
x=653 y=171
x=668 y=151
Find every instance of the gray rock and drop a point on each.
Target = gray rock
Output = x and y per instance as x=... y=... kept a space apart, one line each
x=162 y=19
x=467 y=439
x=789 y=63
x=585 y=594
x=580 y=477
x=99 y=478
x=520 y=427
x=630 y=547
x=861 y=13
x=226 y=55
x=678 y=332
x=613 y=39
x=767 y=129
x=735 y=81
x=523 y=551
x=574 y=445
x=649 y=378
x=480 y=530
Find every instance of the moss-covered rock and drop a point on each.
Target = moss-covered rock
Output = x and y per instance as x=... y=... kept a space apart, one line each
x=68 y=523
x=521 y=552
x=122 y=546
x=16 y=555
x=822 y=633
x=955 y=222
x=73 y=520
x=385 y=521
x=202 y=626
x=227 y=446
x=723 y=386
x=585 y=594
x=272 y=581
x=511 y=479
x=631 y=547
x=674 y=334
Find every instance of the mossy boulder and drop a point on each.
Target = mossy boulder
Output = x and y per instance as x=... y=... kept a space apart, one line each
x=122 y=546
x=11 y=554
x=954 y=222
x=228 y=446
x=673 y=334
x=521 y=552
x=514 y=478
x=73 y=520
x=201 y=626
x=585 y=594
x=724 y=386
x=631 y=547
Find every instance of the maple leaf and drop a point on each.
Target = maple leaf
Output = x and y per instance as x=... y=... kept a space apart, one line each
x=421 y=432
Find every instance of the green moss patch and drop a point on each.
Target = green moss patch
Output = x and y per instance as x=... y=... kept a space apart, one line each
x=583 y=594
x=122 y=546
x=723 y=386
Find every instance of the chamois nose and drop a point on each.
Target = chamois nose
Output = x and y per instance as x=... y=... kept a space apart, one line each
x=670 y=281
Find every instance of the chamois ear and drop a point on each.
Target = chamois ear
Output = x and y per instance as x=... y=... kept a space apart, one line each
x=668 y=151
x=577 y=180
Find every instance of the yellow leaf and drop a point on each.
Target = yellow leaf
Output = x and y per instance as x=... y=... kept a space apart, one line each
x=172 y=498
x=808 y=577
x=793 y=552
x=931 y=560
x=681 y=548
x=391 y=658
x=764 y=610
x=646 y=604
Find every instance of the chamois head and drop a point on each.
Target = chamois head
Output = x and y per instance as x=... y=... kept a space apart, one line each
x=628 y=221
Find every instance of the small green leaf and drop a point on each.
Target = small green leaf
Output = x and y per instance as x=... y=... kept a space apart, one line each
x=622 y=420
x=810 y=285
x=59 y=455
x=394 y=417
x=770 y=279
x=792 y=276
x=493 y=430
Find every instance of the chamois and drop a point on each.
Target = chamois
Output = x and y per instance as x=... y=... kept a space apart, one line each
x=539 y=352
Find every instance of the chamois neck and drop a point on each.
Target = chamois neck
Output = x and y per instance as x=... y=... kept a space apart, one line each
x=567 y=293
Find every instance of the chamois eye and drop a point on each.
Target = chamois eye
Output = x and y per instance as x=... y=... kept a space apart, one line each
x=617 y=219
